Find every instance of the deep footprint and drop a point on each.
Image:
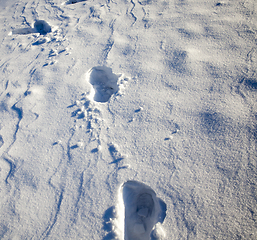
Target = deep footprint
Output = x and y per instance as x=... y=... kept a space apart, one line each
x=104 y=83
x=142 y=210
x=40 y=26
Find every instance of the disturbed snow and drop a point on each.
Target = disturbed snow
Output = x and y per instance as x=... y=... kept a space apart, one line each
x=128 y=119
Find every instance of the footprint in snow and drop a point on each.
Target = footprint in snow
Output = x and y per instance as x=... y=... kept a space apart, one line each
x=139 y=211
x=116 y=155
x=40 y=26
x=103 y=82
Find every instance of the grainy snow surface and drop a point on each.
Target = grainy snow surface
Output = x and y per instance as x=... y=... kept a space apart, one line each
x=119 y=115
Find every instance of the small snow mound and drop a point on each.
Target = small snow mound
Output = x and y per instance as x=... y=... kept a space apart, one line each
x=42 y=27
x=80 y=144
x=158 y=232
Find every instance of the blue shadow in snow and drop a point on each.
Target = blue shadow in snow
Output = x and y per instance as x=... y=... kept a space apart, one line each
x=213 y=123
x=74 y=1
x=12 y=169
x=250 y=84
x=95 y=150
x=115 y=154
x=107 y=225
x=163 y=206
x=1 y=141
x=177 y=61
x=4 y=229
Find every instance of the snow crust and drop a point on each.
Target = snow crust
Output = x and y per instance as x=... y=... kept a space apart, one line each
x=132 y=119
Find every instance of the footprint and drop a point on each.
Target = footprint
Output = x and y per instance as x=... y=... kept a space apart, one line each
x=104 y=83
x=40 y=26
x=139 y=210
x=116 y=155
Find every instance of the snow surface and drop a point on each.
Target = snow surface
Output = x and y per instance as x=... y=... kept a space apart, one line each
x=98 y=93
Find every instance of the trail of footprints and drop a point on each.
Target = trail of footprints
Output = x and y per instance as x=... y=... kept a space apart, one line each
x=104 y=83
x=138 y=208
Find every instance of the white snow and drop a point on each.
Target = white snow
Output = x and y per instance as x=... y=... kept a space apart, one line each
x=98 y=94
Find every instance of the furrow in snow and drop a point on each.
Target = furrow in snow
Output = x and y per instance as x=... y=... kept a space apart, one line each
x=131 y=12
x=69 y=147
x=110 y=42
x=24 y=17
x=48 y=230
x=19 y=112
x=12 y=169
x=78 y=198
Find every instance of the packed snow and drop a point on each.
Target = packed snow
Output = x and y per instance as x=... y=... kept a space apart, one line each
x=128 y=120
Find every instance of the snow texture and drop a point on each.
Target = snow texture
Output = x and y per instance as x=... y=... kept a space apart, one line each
x=106 y=104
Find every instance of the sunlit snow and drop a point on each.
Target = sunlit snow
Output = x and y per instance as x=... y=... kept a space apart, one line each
x=128 y=120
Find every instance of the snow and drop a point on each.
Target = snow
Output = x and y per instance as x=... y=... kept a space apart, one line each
x=98 y=96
